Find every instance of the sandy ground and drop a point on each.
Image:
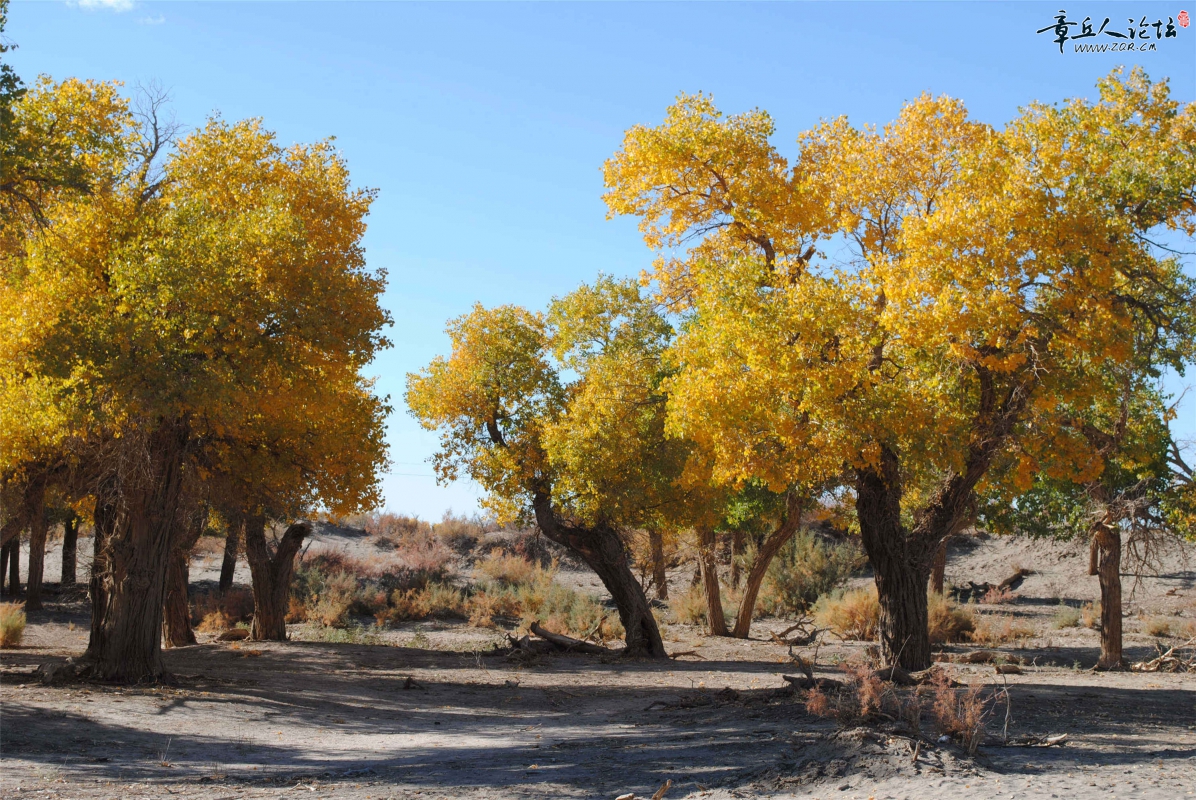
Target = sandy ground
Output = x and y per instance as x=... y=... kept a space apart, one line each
x=315 y=719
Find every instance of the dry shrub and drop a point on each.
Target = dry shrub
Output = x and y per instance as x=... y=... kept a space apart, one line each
x=948 y=621
x=998 y=595
x=507 y=569
x=863 y=697
x=1159 y=626
x=995 y=630
x=462 y=534
x=1066 y=617
x=212 y=612
x=854 y=614
x=434 y=600
x=689 y=607
x=538 y=597
x=296 y=610
x=1090 y=615
x=959 y=714
x=805 y=569
x=208 y=546
x=12 y=624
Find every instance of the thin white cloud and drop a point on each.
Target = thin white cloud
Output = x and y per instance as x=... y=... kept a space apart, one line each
x=158 y=20
x=109 y=5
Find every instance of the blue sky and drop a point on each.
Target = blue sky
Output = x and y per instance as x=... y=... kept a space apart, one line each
x=484 y=126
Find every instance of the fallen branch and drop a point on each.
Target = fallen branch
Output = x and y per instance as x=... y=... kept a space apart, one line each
x=1168 y=661
x=568 y=643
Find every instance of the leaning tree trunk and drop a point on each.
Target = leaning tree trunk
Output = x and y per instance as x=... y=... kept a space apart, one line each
x=70 y=549
x=127 y=626
x=36 y=514
x=176 y=611
x=1108 y=539
x=660 y=575
x=271 y=576
x=715 y=617
x=228 y=567
x=602 y=549
x=938 y=569
x=764 y=556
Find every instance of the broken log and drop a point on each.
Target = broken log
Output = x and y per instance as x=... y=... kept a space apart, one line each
x=568 y=643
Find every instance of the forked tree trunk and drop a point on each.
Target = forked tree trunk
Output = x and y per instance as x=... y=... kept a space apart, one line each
x=764 y=556
x=271 y=576
x=659 y=574
x=938 y=570
x=70 y=549
x=715 y=618
x=126 y=641
x=603 y=551
x=176 y=611
x=228 y=567
x=1108 y=539
x=36 y=514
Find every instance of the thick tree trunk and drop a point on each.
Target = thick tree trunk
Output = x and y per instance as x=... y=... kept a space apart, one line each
x=603 y=550
x=1109 y=575
x=127 y=636
x=36 y=515
x=70 y=549
x=176 y=611
x=737 y=542
x=229 y=566
x=272 y=576
x=901 y=564
x=659 y=574
x=105 y=522
x=938 y=570
x=1093 y=556
x=715 y=618
x=764 y=556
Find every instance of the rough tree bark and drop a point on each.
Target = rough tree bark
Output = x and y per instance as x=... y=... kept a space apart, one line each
x=272 y=576
x=176 y=611
x=1093 y=556
x=126 y=636
x=603 y=550
x=35 y=501
x=228 y=567
x=938 y=568
x=70 y=549
x=1108 y=539
x=660 y=576
x=708 y=565
x=772 y=545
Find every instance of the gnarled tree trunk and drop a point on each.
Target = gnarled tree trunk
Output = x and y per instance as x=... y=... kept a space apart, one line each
x=272 y=576
x=176 y=611
x=228 y=567
x=764 y=556
x=1108 y=539
x=660 y=576
x=130 y=566
x=36 y=514
x=70 y=549
x=603 y=550
x=715 y=618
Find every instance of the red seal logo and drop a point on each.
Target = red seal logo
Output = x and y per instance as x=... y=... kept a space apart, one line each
x=1183 y=19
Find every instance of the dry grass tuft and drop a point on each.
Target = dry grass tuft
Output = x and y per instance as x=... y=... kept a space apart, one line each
x=1001 y=629
x=1159 y=626
x=959 y=714
x=507 y=570
x=689 y=607
x=1090 y=615
x=853 y=614
x=213 y=612
x=949 y=621
x=1066 y=617
x=12 y=624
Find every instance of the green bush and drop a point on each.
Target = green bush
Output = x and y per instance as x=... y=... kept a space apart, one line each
x=807 y=568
